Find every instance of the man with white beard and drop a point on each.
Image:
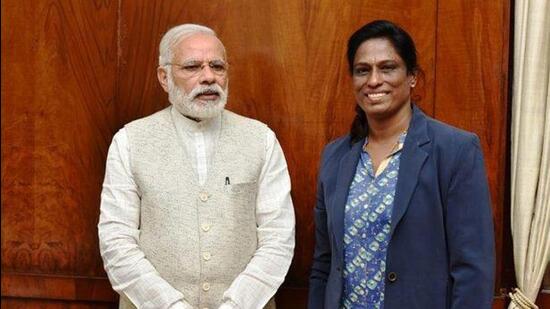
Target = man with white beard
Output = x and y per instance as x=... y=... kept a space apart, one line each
x=195 y=208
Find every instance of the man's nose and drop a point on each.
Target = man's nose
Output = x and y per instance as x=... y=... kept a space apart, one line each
x=207 y=75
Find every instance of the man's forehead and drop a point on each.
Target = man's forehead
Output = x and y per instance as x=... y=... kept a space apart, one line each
x=200 y=44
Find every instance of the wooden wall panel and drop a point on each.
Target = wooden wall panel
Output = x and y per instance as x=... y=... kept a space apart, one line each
x=67 y=288
x=471 y=92
x=82 y=69
x=58 y=87
x=19 y=303
x=329 y=106
x=288 y=70
x=58 y=92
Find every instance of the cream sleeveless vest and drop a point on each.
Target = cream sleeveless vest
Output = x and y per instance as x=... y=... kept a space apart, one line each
x=199 y=238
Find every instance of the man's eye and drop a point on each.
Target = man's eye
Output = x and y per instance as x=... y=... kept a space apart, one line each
x=192 y=67
x=218 y=67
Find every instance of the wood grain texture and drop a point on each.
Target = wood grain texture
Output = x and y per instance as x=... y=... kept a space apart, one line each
x=74 y=72
x=329 y=106
x=58 y=88
x=21 y=303
x=543 y=300
x=68 y=288
x=471 y=92
x=288 y=69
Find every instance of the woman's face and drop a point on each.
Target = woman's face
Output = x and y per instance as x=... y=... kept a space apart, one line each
x=381 y=83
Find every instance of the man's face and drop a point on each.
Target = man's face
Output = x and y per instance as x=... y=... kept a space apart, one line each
x=197 y=81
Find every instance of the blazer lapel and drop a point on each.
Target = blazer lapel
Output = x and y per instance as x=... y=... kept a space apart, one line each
x=346 y=171
x=411 y=161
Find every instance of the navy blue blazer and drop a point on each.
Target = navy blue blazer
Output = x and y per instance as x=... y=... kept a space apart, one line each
x=441 y=250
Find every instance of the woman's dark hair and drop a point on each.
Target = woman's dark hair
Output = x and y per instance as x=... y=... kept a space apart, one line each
x=405 y=48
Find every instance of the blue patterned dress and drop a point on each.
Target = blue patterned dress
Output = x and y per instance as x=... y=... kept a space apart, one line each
x=367 y=225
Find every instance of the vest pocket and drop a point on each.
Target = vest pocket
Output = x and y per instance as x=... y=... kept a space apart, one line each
x=244 y=192
x=240 y=201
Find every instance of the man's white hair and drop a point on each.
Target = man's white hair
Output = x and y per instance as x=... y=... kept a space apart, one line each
x=175 y=35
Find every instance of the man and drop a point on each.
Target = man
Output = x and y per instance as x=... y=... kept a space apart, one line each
x=196 y=209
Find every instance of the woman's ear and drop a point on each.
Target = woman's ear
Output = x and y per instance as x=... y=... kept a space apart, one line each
x=413 y=79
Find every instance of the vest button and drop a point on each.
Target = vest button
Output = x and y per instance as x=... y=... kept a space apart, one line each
x=206 y=256
x=205 y=227
x=206 y=286
x=203 y=196
x=392 y=277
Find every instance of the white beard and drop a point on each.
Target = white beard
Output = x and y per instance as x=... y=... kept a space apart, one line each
x=188 y=105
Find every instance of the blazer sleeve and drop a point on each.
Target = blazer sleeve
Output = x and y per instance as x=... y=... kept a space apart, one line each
x=469 y=227
x=322 y=253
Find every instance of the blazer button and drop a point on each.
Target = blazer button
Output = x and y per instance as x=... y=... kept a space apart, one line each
x=392 y=277
x=338 y=269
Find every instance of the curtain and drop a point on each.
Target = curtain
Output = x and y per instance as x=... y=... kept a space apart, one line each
x=530 y=170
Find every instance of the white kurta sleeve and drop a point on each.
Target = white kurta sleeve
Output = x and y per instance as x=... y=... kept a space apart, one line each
x=130 y=273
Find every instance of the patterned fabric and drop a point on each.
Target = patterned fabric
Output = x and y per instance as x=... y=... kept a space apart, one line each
x=367 y=225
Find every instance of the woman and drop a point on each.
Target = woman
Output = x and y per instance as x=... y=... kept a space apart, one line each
x=403 y=216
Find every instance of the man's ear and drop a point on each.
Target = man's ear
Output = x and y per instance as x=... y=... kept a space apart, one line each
x=162 y=75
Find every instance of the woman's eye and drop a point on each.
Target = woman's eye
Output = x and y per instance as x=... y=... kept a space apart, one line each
x=361 y=71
